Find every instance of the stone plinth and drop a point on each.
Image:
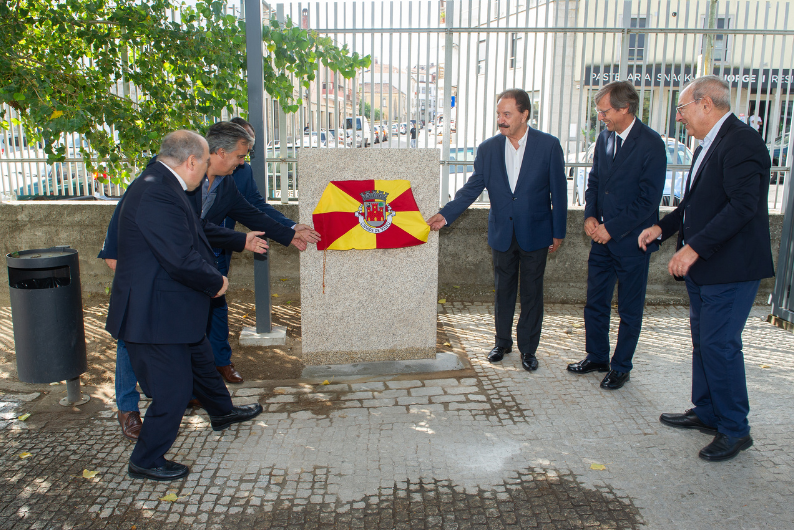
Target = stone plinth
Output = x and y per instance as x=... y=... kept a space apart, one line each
x=369 y=305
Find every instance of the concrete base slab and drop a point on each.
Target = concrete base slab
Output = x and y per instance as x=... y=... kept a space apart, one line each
x=443 y=362
x=276 y=337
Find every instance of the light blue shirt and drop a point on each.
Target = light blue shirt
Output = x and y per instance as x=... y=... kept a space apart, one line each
x=705 y=144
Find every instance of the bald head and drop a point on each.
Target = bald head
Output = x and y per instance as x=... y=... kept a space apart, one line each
x=180 y=145
x=187 y=153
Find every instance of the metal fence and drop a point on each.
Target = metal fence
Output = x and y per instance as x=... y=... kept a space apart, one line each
x=441 y=65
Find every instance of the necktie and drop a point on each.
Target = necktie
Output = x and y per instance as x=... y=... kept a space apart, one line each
x=618 y=143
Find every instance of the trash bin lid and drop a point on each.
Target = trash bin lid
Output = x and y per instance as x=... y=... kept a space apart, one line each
x=41 y=257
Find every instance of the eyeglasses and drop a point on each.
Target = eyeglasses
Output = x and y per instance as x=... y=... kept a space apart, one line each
x=603 y=112
x=680 y=107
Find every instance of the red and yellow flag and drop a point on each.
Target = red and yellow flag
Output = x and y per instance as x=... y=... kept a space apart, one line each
x=366 y=214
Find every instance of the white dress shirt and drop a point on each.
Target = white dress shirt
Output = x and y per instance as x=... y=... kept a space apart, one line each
x=513 y=159
x=625 y=134
x=181 y=182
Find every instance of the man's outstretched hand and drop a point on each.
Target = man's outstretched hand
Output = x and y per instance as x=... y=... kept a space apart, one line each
x=254 y=243
x=437 y=222
x=307 y=234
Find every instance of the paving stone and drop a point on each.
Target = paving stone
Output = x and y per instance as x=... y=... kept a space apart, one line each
x=511 y=450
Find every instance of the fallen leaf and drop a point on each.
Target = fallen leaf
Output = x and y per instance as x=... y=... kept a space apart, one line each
x=279 y=391
x=284 y=279
x=24 y=416
x=289 y=302
x=442 y=301
x=171 y=497
x=456 y=286
x=56 y=383
x=245 y=315
x=275 y=295
x=578 y=325
x=89 y=474
x=326 y=382
x=598 y=467
x=765 y=366
x=447 y=344
x=25 y=455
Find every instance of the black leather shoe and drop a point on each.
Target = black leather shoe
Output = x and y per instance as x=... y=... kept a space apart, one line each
x=529 y=362
x=724 y=447
x=498 y=353
x=615 y=380
x=170 y=471
x=236 y=415
x=687 y=420
x=585 y=367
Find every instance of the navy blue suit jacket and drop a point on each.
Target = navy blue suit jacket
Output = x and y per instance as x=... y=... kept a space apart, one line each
x=538 y=210
x=727 y=215
x=244 y=179
x=229 y=202
x=165 y=276
x=625 y=193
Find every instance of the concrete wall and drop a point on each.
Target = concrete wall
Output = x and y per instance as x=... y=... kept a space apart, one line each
x=464 y=271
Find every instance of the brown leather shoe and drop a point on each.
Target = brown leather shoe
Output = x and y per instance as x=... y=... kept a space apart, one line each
x=230 y=374
x=130 y=424
x=194 y=404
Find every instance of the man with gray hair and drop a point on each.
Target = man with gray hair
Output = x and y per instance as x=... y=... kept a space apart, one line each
x=622 y=199
x=165 y=278
x=219 y=198
x=723 y=252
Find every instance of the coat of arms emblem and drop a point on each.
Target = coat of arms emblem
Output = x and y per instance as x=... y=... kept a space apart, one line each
x=375 y=214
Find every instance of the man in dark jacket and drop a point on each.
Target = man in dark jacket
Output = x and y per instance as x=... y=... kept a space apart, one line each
x=723 y=252
x=159 y=303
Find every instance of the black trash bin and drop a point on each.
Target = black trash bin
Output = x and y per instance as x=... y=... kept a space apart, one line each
x=47 y=313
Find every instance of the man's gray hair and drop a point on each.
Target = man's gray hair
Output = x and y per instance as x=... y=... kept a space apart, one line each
x=622 y=94
x=712 y=86
x=180 y=145
x=226 y=135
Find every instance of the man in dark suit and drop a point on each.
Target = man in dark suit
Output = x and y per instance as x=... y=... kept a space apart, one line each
x=160 y=299
x=523 y=171
x=724 y=251
x=217 y=199
x=622 y=199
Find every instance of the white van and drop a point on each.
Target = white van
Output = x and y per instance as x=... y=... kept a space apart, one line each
x=361 y=134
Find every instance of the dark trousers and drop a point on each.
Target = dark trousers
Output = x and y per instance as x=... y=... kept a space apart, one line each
x=717 y=315
x=508 y=267
x=218 y=322
x=631 y=273
x=170 y=374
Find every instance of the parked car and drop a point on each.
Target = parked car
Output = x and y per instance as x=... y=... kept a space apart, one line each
x=403 y=128
x=677 y=154
x=460 y=173
x=379 y=134
x=360 y=132
x=778 y=151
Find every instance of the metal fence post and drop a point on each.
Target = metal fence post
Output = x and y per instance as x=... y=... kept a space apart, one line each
x=450 y=12
x=256 y=116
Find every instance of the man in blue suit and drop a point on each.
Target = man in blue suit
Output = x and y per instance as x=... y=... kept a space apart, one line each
x=219 y=200
x=723 y=252
x=523 y=171
x=159 y=304
x=622 y=199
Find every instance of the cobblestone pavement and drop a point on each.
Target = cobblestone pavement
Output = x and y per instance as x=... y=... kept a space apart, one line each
x=489 y=447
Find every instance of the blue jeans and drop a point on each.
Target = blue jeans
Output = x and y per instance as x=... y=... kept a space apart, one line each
x=127 y=395
x=218 y=322
x=717 y=315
